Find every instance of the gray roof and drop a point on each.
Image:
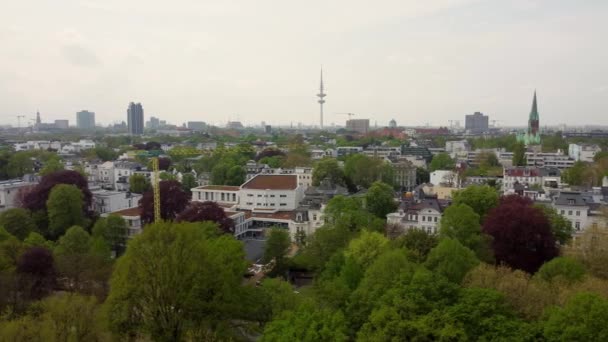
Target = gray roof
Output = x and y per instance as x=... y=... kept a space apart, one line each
x=573 y=198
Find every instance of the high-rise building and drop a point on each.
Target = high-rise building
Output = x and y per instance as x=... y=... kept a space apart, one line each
x=85 y=120
x=62 y=124
x=135 y=118
x=358 y=125
x=476 y=123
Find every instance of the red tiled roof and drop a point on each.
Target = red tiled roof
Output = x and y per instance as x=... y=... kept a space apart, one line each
x=219 y=187
x=272 y=182
x=135 y=211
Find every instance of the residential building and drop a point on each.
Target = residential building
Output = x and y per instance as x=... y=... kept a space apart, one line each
x=10 y=191
x=457 y=148
x=358 y=125
x=476 y=123
x=135 y=119
x=424 y=215
x=343 y=151
x=132 y=217
x=382 y=151
x=583 y=152
x=446 y=178
x=85 y=120
x=106 y=201
x=405 y=173
x=576 y=208
x=540 y=178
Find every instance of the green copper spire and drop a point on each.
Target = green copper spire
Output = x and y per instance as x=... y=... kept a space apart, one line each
x=534 y=111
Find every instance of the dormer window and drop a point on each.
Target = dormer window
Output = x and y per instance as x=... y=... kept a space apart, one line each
x=570 y=201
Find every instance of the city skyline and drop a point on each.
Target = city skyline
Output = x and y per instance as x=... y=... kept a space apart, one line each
x=417 y=63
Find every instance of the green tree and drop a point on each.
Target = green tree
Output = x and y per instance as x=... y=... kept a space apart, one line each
x=363 y=170
x=575 y=175
x=565 y=268
x=188 y=182
x=65 y=209
x=18 y=222
x=583 y=318
x=366 y=248
x=307 y=323
x=481 y=198
x=451 y=259
x=322 y=245
x=379 y=200
x=19 y=164
x=519 y=155
x=276 y=248
x=36 y=240
x=461 y=223
x=51 y=165
x=138 y=183
x=418 y=242
x=560 y=226
x=113 y=230
x=156 y=289
x=349 y=212
x=328 y=168
x=441 y=161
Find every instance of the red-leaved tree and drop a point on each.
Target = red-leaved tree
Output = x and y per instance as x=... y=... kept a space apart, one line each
x=522 y=236
x=173 y=200
x=36 y=271
x=269 y=152
x=164 y=164
x=35 y=199
x=207 y=211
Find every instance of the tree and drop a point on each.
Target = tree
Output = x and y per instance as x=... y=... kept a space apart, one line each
x=113 y=230
x=138 y=183
x=227 y=173
x=152 y=146
x=560 y=226
x=157 y=290
x=188 y=182
x=36 y=272
x=349 y=212
x=105 y=154
x=19 y=164
x=328 y=168
x=52 y=165
x=481 y=198
x=422 y=176
x=418 y=242
x=379 y=200
x=307 y=323
x=172 y=201
x=276 y=248
x=591 y=248
x=441 y=161
x=65 y=209
x=36 y=240
x=365 y=249
x=583 y=318
x=269 y=153
x=564 y=268
x=363 y=170
x=460 y=222
x=519 y=155
x=36 y=199
x=521 y=234
x=323 y=244
x=207 y=211
x=451 y=259
x=17 y=222
x=575 y=174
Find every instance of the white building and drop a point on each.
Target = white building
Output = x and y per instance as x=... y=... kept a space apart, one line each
x=447 y=178
x=583 y=152
x=579 y=209
x=222 y=194
x=457 y=148
x=132 y=217
x=425 y=215
x=9 y=192
x=107 y=201
x=271 y=192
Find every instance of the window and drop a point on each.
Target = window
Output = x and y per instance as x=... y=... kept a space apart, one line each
x=563 y=212
x=249 y=195
x=271 y=195
x=578 y=213
x=423 y=218
x=435 y=219
x=283 y=204
x=569 y=212
x=259 y=195
x=577 y=225
x=283 y=195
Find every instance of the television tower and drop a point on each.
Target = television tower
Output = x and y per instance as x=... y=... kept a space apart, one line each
x=321 y=95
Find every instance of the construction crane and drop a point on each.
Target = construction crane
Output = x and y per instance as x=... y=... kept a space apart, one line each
x=350 y=115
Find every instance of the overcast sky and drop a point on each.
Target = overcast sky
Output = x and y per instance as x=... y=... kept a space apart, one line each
x=258 y=60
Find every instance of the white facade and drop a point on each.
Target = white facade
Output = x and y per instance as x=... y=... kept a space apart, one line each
x=105 y=201
x=457 y=148
x=426 y=219
x=444 y=177
x=221 y=194
x=132 y=217
x=583 y=152
x=9 y=192
x=283 y=200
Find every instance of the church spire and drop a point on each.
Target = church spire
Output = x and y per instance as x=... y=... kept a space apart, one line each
x=534 y=111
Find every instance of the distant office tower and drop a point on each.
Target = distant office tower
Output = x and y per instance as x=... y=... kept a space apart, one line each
x=358 y=125
x=85 y=120
x=135 y=118
x=154 y=123
x=476 y=123
x=62 y=124
x=197 y=125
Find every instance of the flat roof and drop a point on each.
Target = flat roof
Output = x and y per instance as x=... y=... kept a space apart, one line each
x=219 y=187
x=272 y=182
